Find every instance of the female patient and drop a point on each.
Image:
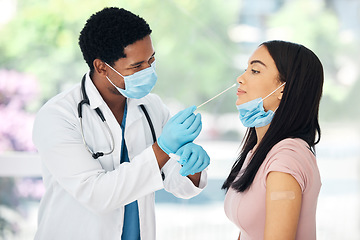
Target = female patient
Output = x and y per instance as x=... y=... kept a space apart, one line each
x=273 y=187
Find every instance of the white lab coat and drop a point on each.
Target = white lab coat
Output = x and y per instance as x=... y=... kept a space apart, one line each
x=84 y=197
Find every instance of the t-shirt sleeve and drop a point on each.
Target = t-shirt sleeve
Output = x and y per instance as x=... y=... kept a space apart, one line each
x=289 y=157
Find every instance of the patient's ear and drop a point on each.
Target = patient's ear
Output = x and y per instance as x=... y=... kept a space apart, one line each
x=281 y=93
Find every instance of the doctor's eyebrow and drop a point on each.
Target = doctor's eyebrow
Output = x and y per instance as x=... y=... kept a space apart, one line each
x=257 y=61
x=139 y=63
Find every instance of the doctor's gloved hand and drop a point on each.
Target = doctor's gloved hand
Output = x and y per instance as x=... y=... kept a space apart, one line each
x=182 y=128
x=193 y=158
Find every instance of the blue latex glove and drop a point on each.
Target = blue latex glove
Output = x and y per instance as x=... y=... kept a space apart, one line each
x=193 y=158
x=182 y=128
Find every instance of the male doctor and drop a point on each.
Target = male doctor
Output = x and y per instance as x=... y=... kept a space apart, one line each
x=104 y=158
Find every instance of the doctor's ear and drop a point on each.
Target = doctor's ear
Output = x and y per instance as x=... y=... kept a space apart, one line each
x=99 y=67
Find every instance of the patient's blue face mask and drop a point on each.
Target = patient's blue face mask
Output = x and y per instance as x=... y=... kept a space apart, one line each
x=139 y=84
x=252 y=113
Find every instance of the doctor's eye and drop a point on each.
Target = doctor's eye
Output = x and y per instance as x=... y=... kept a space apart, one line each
x=151 y=60
x=255 y=71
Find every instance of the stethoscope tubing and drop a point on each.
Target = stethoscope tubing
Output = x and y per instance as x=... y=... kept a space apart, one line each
x=100 y=114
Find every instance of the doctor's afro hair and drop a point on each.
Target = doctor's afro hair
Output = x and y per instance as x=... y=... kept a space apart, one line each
x=107 y=32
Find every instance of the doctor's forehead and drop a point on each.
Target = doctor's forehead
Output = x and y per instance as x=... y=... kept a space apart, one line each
x=140 y=50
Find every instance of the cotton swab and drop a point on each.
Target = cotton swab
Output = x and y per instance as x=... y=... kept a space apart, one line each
x=176 y=157
x=216 y=96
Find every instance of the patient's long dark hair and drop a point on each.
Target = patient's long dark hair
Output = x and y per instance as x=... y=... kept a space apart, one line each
x=297 y=115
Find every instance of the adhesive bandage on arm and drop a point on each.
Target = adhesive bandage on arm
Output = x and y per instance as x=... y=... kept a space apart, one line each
x=283 y=195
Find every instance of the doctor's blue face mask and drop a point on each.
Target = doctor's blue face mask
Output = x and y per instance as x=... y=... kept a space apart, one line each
x=139 y=84
x=252 y=113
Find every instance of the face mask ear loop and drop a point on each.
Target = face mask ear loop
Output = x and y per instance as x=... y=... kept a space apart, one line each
x=114 y=70
x=111 y=82
x=272 y=93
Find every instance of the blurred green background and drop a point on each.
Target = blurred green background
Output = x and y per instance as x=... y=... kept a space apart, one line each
x=201 y=46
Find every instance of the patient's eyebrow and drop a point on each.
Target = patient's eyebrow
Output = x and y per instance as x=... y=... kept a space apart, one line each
x=257 y=61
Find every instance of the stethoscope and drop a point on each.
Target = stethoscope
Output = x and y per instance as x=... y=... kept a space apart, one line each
x=86 y=100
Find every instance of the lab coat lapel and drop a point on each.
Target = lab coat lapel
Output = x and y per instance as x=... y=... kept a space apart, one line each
x=134 y=130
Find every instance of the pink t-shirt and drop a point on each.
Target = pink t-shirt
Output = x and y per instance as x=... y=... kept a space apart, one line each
x=247 y=209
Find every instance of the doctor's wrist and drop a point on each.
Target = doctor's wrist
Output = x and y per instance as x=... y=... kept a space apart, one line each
x=161 y=156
